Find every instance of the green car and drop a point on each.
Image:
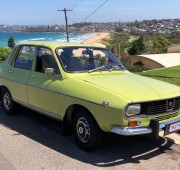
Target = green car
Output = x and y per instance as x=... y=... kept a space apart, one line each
x=89 y=90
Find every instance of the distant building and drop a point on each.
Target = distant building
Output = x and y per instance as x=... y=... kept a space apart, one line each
x=174 y=48
x=155 y=61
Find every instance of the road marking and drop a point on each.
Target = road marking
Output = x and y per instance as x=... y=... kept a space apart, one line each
x=174 y=137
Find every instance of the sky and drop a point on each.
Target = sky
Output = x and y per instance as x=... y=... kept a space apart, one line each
x=44 y=12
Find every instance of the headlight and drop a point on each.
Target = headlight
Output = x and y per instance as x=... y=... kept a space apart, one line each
x=132 y=110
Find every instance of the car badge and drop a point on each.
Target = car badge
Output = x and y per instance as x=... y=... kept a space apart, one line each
x=105 y=104
x=170 y=105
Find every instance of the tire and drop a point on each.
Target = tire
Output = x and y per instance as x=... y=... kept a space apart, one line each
x=86 y=132
x=7 y=102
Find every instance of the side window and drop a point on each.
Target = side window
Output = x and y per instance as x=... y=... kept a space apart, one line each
x=46 y=59
x=25 y=57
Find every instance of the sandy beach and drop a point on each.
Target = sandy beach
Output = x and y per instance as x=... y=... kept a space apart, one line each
x=97 y=38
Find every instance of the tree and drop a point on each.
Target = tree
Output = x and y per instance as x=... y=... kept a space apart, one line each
x=138 y=47
x=11 y=42
x=4 y=52
x=120 y=41
x=160 y=45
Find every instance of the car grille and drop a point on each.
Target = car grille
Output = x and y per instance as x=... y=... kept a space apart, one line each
x=168 y=116
x=161 y=107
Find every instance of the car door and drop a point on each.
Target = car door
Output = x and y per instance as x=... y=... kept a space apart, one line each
x=45 y=83
x=19 y=71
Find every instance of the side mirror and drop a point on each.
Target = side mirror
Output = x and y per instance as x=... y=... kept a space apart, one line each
x=49 y=71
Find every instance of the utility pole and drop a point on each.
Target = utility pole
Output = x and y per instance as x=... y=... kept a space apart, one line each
x=65 y=13
x=119 y=51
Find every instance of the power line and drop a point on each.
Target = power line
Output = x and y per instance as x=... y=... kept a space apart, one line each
x=95 y=10
x=72 y=20
x=67 y=3
x=53 y=19
x=63 y=3
x=76 y=4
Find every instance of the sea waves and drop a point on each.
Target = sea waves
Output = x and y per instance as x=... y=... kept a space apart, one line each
x=21 y=37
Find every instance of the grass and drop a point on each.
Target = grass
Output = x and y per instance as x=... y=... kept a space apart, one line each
x=170 y=75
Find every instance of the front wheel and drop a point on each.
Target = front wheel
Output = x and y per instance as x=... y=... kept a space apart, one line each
x=86 y=132
x=7 y=102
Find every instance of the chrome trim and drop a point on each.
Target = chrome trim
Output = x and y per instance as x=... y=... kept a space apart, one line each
x=14 y=80
x=140 y=102
x=81 y=99
x=56 y=92
x=155 y=100
x=32 y=85
x=162 y=125
x=127 y=131
x=42 y=89
x=153 y=115
x=66 y=95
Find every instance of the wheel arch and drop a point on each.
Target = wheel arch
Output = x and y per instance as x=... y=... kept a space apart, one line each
x=2 y=87
x=69 y=115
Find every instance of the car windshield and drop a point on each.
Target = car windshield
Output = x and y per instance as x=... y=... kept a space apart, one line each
x=87 y=59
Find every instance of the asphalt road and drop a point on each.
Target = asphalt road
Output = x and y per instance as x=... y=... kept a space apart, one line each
x=30 y=141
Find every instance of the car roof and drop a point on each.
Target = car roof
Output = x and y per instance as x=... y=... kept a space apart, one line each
x=61 y=44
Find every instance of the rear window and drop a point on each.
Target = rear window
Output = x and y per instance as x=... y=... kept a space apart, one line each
x=25 y=57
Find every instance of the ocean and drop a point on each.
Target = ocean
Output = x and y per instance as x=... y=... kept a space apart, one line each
x=20 y=37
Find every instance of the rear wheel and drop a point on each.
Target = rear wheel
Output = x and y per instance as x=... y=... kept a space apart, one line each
x=8 y=104
x=86 y=132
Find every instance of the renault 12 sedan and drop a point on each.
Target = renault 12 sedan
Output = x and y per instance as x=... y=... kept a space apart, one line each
x=89 y=90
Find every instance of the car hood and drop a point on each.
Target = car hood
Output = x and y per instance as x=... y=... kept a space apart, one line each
x=132 y=86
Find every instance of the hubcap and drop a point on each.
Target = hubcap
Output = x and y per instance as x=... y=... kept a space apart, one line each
x=83 y=130
x=7 y=101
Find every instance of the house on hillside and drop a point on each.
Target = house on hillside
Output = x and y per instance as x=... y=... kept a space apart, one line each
x=155 y=61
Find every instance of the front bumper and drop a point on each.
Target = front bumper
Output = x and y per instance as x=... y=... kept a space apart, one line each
x=128 y=131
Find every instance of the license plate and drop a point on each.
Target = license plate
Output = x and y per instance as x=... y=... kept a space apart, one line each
x=172 y=128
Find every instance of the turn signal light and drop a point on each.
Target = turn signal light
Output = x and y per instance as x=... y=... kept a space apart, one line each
x=133 y=123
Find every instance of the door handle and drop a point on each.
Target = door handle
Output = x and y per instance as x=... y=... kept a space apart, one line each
x=32 y=76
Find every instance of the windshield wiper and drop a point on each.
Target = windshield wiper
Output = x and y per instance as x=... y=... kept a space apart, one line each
x=97 y=68
x=114 y=66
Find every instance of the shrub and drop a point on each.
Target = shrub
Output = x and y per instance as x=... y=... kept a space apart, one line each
x=4 y=52
x=136 y=68
x=139 y=63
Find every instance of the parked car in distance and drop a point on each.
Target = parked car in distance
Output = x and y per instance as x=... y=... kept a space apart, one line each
x=89 y=90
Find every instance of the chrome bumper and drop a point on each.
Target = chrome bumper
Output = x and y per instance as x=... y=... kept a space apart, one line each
x=128 y=131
